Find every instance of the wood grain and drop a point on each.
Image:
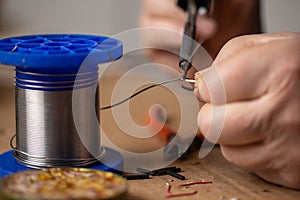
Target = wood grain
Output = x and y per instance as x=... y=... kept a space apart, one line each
x=229 y=181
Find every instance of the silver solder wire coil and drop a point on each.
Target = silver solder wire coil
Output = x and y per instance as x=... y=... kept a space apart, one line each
x=46 y=135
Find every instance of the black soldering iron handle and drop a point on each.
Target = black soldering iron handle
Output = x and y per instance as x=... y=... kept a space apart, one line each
x=187 y=48
x=188 y=41
x=199 y=3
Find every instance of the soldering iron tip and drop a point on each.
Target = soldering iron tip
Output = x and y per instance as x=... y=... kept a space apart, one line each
x=183 y=75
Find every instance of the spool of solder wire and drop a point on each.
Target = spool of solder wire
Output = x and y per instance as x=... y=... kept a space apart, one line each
x=46 y=69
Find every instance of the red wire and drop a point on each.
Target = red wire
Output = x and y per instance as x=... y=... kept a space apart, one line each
x=170 y=195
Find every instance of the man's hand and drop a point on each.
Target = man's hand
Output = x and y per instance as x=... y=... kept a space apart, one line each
x=229 y=18
x=261 y=78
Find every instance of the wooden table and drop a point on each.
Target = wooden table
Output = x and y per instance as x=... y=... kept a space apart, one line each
x=228 y=181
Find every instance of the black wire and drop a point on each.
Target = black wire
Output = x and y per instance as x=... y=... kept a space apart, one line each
x=139 y=92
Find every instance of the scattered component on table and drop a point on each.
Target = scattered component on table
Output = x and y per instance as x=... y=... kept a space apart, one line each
x=195 y=183
x=170 y=194
x=172 y=171
x=175 y=175
x=164 y=172
x=145 y=171
x=135 y=176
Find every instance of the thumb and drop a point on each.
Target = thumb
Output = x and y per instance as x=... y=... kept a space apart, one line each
x=235 y=70
x=232 y=79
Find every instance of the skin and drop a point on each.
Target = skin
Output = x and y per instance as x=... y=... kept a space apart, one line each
x=215 y=30
x=261 y=78
x=261 y=132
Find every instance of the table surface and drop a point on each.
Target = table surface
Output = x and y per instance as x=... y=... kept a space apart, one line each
x=228 y=181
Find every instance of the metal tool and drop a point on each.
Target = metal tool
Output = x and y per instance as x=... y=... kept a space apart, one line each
x=193 y=8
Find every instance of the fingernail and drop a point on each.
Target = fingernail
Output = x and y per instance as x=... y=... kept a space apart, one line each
x=199 y=80
x=198 y=86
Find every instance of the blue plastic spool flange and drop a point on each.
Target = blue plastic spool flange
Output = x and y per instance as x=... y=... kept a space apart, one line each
x=43 y=60
x=55 y=59
x=113 y=163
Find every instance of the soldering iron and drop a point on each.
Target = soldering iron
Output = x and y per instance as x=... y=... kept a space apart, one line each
x=193 y=9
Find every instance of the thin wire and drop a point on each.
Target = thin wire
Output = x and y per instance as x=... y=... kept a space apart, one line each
x=139 y=92
x=190 y=80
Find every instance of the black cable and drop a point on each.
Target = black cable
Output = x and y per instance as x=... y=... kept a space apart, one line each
x=139 y=92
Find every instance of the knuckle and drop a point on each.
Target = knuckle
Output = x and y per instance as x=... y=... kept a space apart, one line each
x=289 y=120
x=243 y=40
x=253 y=124
x=234 y=41
x=258 y=122
x=263 y=120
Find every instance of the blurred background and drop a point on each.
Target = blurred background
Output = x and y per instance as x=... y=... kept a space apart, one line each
x=106 y=17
